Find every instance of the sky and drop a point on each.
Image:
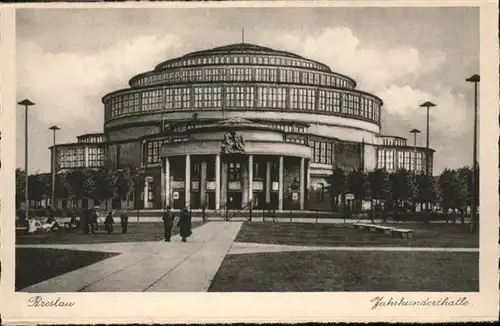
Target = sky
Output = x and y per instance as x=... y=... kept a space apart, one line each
x=67 y=59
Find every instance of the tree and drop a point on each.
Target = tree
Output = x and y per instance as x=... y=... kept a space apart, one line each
x=20 y=187
x=106 y=181
x=46 y=179
x=62 y=186
x=450 y=193
x=425 y=188
x=36 y=187
x=357 y=184
x=81 y=184
x=402 y=189
x=380 y=190
x=464 y=175
x=476 y=190
x=125 y=183
x=336 y=186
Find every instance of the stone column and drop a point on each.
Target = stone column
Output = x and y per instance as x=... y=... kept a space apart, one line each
x=167 y=181
x=268 y=181
x=280 y=188
x=163 y=182
x=187 y=182
x=223 y=187
x=86 y=156
x=301 y=183
x=250 y=179
x=217 y=181
x=203 y=183
x=146 y=192
x=308 y=181
x=244 y=183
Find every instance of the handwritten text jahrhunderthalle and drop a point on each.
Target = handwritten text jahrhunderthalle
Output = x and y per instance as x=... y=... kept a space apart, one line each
x=427 y=302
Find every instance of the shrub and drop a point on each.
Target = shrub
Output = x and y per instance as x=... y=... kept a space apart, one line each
x=419 y=217
x=33 y=212
x=43 y=212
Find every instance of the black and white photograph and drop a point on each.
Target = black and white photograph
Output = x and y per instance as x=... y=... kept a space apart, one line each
x=249 y=149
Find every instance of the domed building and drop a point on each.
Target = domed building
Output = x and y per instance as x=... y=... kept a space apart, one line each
x=242 y=125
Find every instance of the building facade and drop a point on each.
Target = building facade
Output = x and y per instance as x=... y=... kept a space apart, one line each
x=88 y=151
x=242 y=125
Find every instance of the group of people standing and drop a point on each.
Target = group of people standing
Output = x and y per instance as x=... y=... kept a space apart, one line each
x=90 y=221
x=109 y=222
x=184 y=224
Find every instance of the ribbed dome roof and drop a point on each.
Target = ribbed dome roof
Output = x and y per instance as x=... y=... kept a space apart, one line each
x=242 y=48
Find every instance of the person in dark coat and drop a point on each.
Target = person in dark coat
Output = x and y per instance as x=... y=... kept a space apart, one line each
x=185 y=224
x=168 y=223
x=124 y=221
x=86 y=221
x=109 y=222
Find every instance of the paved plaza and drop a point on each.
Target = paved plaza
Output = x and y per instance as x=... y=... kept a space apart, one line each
x=158 y=266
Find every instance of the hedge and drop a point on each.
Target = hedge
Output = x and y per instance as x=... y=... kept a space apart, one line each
x=42 y=212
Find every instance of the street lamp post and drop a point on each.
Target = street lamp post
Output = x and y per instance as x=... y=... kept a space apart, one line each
x=415 y=132
x=53 y=199
x=474 y=79
x=26 y=103
x=427 y=105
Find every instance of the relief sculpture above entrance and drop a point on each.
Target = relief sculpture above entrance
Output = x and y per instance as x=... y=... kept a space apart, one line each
x=233 y=143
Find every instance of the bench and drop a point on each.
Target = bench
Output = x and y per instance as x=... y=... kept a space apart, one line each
x=362 y=226
x=403 y=233
x=384 y=229
x=374 y=227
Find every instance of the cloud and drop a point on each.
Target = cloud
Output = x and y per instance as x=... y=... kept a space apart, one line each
x=450 y=111
x=386 y=71
x=67 y=87
x=72 y=84
x=372 y=66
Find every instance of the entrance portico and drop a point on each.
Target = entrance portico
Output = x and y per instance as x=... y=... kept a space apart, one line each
x=236 y=181
x=267 y=173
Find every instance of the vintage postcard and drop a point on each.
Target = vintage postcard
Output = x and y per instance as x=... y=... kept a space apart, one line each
x=243 y=162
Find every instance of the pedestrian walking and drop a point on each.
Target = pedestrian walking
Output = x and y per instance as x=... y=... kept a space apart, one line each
x=124 y=221
x=109 y=222
x=168 y=223
x=185 y=224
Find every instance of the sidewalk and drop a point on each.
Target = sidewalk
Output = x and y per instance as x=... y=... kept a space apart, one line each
x=149 y=266
x=253 y=248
